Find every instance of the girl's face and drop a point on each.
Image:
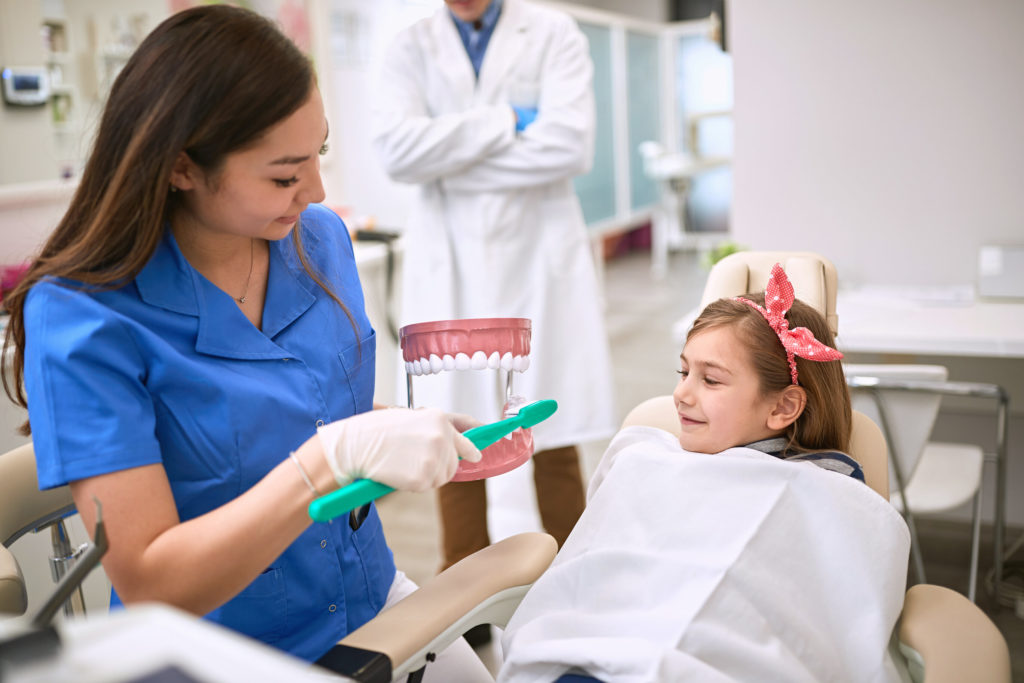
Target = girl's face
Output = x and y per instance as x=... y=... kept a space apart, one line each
x=261 y=190
x=718 y=397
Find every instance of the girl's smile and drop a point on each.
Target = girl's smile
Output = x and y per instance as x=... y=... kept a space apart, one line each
x=718 y=398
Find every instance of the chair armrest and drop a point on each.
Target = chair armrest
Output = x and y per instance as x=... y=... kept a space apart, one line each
x=952 y=637
x=485 y=587
x=25 y=506
x=13 y=598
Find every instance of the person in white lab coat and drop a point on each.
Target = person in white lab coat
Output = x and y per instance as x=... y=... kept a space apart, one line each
x=488 y=106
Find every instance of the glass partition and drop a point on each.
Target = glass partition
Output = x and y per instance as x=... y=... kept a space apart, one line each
x=644 y=107
x=596 y=189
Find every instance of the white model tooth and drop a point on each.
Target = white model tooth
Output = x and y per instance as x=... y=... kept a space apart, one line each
x=517 y=363
x=416 y=370
x=408 y=367
x=494 y=361
x=526 y=363
x=506 y=361
x=478 y=361
x=462 y=361
x=436 y=364
x=448 y=361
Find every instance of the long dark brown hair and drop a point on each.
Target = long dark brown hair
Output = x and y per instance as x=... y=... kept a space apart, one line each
x=826 y=421
x=210 y=81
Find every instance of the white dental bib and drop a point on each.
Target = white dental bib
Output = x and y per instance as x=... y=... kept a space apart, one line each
x=734 y=566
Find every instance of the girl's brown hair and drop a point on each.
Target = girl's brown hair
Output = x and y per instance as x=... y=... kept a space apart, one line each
x=208 y=81
x=825 y=423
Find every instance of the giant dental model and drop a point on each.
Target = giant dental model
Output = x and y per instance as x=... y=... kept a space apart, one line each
x=501 y=344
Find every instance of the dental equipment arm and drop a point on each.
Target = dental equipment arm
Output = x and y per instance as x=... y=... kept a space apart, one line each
x=73 y=579
x=40 y=641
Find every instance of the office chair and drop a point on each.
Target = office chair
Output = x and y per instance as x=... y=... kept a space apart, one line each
x=928 y=477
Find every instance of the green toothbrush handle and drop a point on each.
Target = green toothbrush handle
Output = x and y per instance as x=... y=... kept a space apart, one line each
x=336 y=503
x=362 y=491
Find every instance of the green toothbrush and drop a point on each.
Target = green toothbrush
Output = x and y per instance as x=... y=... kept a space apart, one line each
x=362 y=491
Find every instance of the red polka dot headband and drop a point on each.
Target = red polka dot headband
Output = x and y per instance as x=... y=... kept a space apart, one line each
x=800 y=341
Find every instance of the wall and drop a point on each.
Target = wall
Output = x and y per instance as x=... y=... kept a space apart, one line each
x=886 y=135
x=650 y=10
x=24 y=159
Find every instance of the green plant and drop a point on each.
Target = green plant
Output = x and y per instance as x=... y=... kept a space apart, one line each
x=720 y=251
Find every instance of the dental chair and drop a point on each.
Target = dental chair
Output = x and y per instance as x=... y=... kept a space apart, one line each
x=24 y=508
x=484 y=588
x=942 y=636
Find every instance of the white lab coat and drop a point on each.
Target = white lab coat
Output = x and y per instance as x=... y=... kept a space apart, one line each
x=496 y=229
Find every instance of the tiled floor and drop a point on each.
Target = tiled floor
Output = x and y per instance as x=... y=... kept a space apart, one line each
x=640 y=312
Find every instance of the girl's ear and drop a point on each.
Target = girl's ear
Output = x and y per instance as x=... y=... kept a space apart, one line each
x=185 y=175
x=788 y=407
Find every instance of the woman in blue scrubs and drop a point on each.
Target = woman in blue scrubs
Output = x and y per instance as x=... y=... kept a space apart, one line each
x=195 y=352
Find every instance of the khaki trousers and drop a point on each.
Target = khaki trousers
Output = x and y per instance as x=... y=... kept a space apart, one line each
x=560 y=500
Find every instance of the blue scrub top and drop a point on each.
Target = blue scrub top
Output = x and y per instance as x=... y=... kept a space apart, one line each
x=168 y=370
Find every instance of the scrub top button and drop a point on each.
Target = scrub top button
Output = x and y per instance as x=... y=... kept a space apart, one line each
x=332 y=608
x=319 y=423
x=323 y=543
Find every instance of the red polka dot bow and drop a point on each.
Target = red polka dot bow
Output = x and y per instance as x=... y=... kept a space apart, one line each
x=800 y=341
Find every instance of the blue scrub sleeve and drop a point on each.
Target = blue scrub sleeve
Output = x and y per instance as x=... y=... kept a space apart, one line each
x=84 y=378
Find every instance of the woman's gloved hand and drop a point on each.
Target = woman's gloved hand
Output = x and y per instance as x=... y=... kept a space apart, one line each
x=411 y=450
x=462 y=422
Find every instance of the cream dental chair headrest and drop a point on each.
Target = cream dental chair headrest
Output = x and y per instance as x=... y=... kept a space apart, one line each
x=813 y=276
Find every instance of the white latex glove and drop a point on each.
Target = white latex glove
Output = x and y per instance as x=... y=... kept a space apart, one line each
x=411 y=450
x=462 y=422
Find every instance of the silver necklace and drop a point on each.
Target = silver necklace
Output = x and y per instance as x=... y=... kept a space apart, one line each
x=252 y=253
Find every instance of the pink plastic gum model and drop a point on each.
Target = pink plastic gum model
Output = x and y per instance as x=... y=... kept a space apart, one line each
x=501 y=344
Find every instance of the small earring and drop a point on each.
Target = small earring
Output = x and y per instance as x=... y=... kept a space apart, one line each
x=173 y=188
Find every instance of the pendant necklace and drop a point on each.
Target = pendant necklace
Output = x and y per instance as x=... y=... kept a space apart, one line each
x=252 y=248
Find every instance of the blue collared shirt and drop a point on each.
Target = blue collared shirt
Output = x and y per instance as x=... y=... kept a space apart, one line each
x=475 y=38
x=168 y=370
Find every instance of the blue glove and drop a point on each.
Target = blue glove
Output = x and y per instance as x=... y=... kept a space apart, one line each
x=524 y=117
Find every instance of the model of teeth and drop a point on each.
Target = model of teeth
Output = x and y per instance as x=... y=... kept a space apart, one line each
x=471 y=344
x=501 y=344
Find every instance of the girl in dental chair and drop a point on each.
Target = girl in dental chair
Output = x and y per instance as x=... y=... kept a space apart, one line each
x=749 y=548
